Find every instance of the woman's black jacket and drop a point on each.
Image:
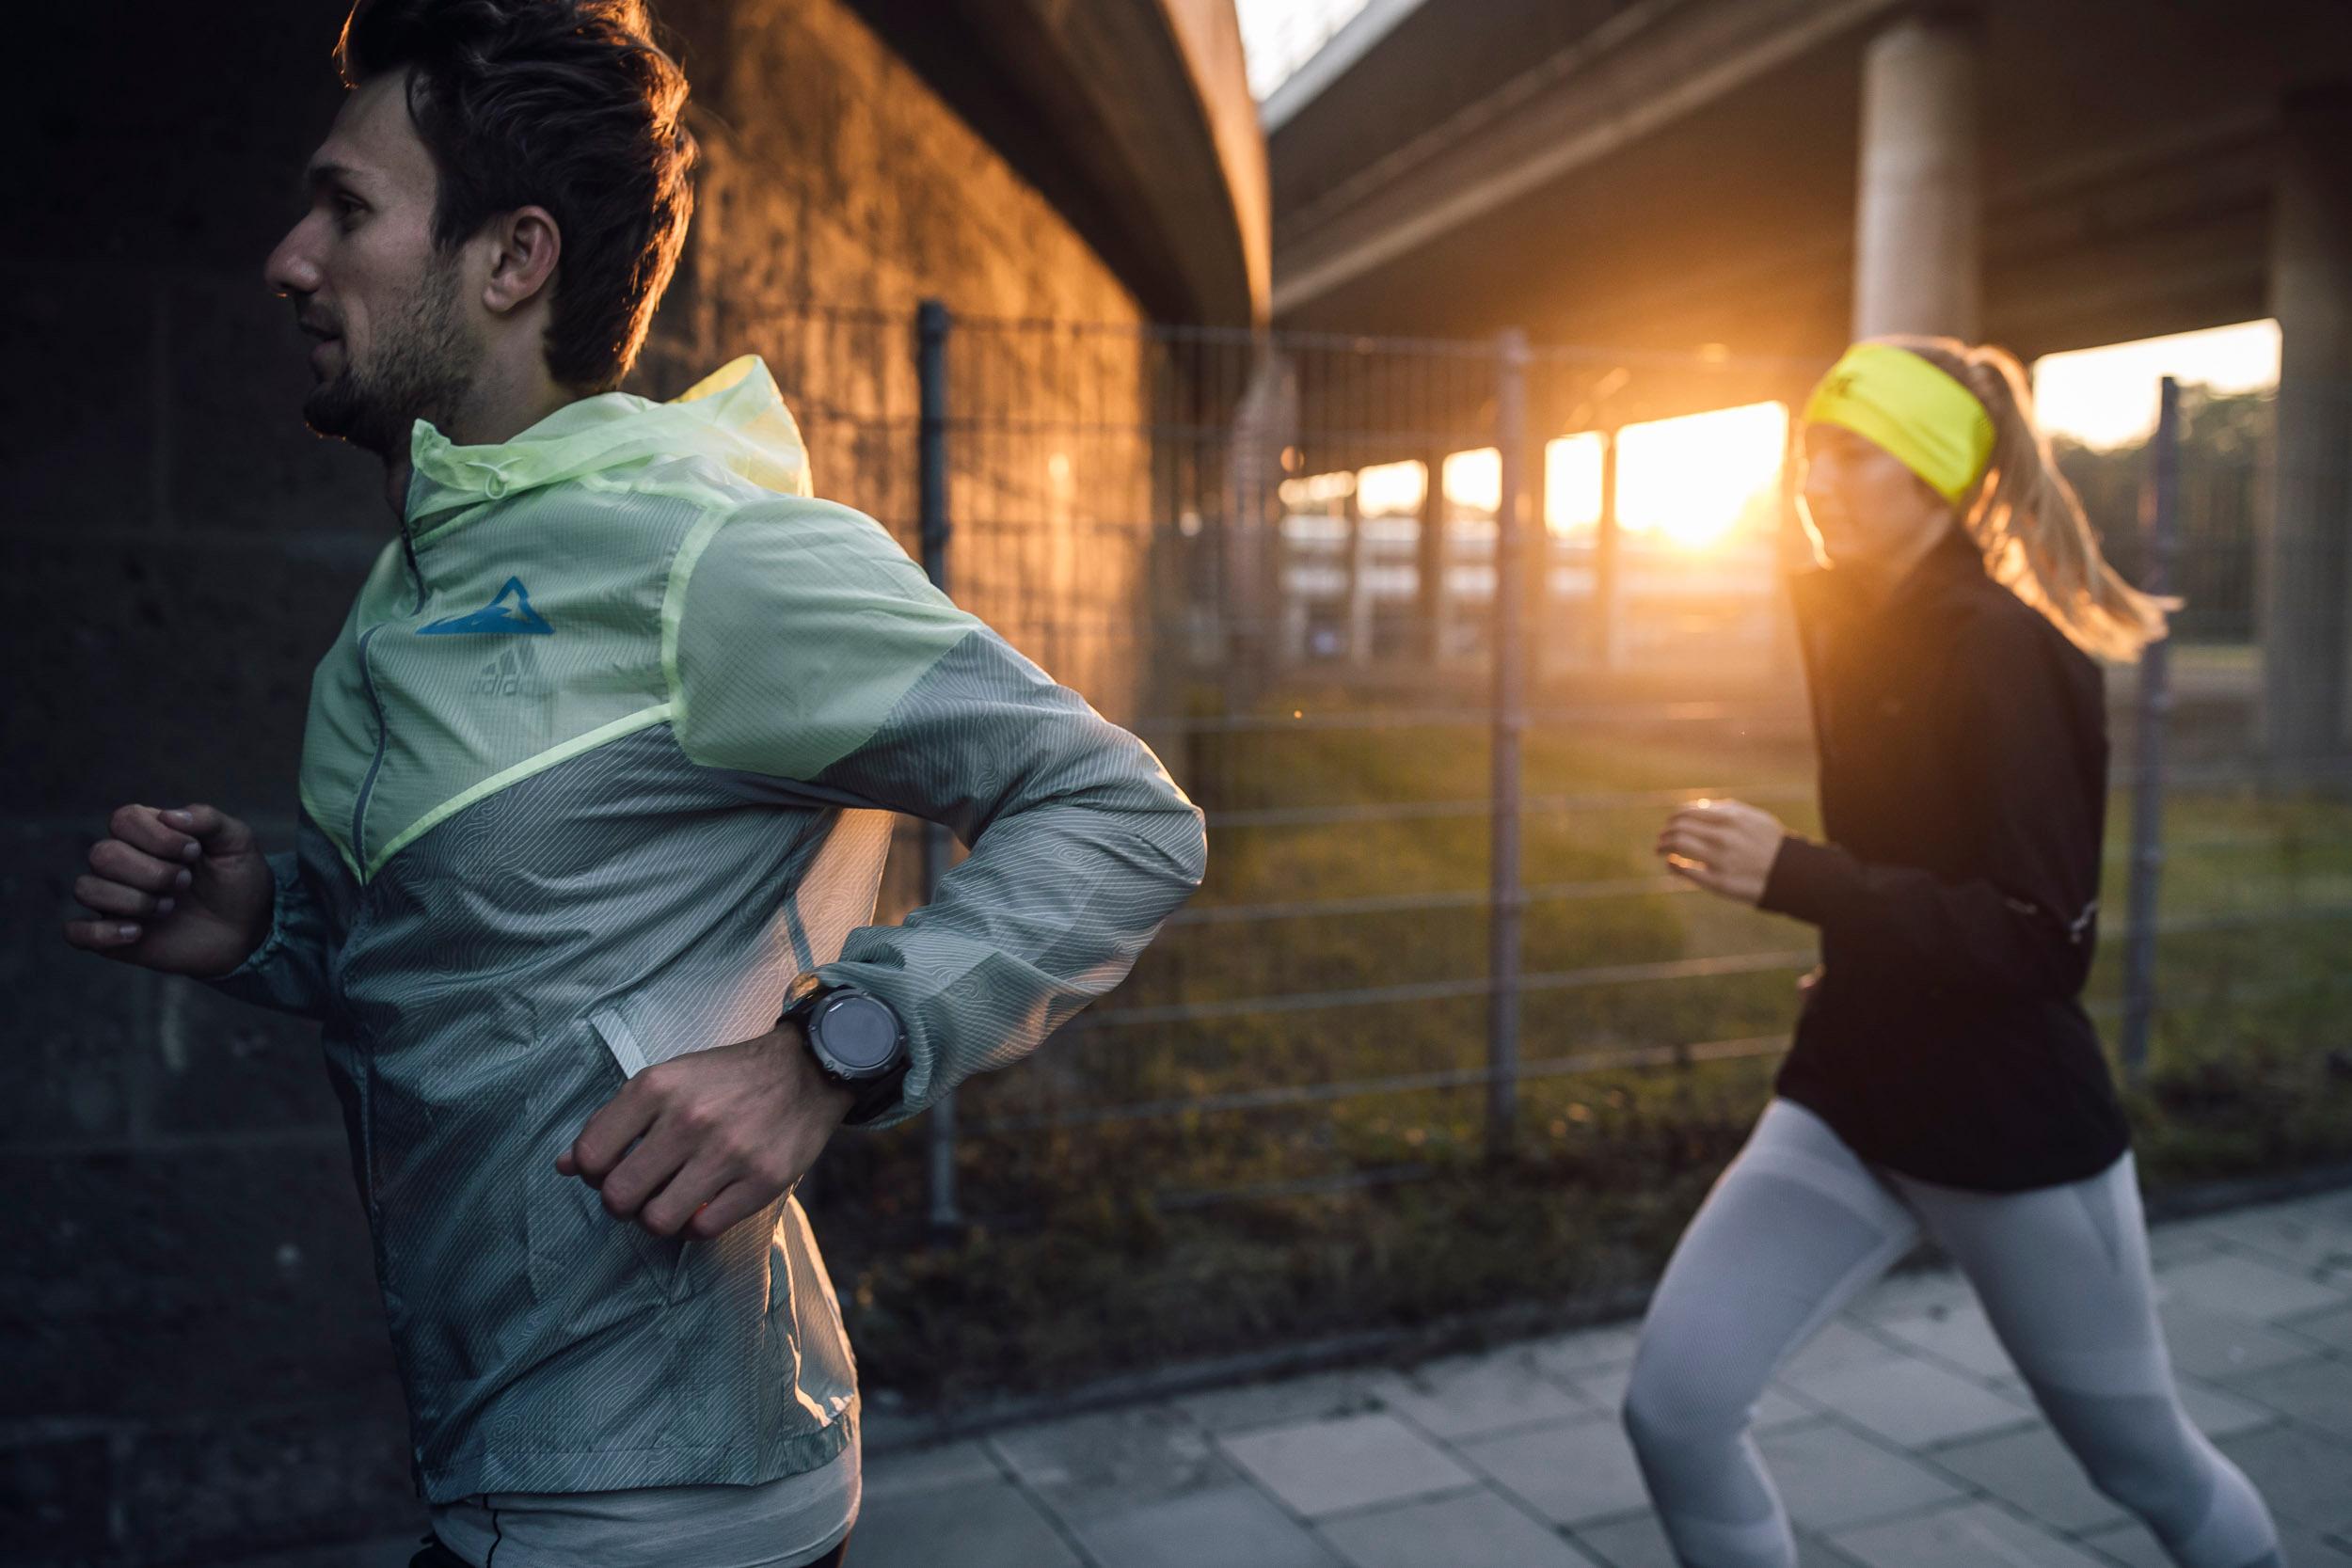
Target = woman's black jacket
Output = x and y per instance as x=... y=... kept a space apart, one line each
x=1962 y=744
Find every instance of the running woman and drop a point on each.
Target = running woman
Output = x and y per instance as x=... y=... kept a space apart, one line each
x=1945 y=1078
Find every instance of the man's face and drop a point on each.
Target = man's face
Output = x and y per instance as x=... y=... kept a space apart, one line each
x=392 y=340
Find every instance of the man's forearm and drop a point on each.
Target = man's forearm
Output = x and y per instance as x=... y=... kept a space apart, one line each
x=1049 y=913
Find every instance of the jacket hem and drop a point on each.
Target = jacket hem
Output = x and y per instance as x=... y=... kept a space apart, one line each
x=2076 y=1164
x=746 y=1462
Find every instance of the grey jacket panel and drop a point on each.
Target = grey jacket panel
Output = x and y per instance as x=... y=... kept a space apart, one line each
x=1087 y=846
x=498 y=979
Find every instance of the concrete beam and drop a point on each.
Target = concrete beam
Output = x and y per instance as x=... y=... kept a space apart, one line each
x=1644 y=69
x=1338 y=55
x=2136 y=237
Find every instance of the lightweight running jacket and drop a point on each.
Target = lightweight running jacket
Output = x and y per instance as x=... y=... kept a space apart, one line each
x=602 y=760
x=1964 y=753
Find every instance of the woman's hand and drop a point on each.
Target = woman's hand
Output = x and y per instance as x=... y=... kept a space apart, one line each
x=1725 y=846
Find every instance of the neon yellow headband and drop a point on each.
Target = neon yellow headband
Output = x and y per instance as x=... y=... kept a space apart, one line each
x=1925 y=419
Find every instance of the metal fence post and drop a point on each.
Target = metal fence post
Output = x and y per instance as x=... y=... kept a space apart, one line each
x=1432 y=555
x=1607 y=557
x=931 y=361
x=2153 y=710
x=1510 y=721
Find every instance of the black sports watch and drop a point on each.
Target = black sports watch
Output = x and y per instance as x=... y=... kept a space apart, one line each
x=856 y=1038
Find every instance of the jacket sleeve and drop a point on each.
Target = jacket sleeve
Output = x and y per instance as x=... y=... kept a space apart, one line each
x=287 y=973
x=813 y=649
x=2025 y=926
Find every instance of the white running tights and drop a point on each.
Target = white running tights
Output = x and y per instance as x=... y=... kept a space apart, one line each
x=1798 y=1223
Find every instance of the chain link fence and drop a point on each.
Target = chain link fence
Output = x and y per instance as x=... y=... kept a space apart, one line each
x=1436 y=632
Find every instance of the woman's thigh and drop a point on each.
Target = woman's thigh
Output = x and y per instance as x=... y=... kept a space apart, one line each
x=1796 y=1225
x=2063 y=1275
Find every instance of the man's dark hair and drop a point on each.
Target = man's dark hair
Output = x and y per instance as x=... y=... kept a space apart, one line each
x=567 y=104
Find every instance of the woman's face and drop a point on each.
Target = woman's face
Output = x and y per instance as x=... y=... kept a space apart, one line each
x=1861 y=507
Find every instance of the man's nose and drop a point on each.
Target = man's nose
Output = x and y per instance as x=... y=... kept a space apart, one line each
x=290 y=269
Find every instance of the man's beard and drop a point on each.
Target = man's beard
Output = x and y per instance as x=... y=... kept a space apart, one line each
x=422 y=370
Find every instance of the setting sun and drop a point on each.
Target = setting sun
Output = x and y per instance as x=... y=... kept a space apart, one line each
x=1689 y=482
x=1693 y=480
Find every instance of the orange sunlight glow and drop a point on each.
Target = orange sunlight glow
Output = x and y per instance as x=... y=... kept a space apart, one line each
x=1473 y=480
x=1391 y=489
x=1572 y=481
x=1689 y=482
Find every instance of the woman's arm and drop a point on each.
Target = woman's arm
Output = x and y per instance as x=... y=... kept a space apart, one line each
x=2024 y=923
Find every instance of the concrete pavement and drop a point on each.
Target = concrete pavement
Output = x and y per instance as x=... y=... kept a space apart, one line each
x=1900 y=1437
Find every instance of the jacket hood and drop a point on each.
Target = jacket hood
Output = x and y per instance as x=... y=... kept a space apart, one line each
x=736 y=417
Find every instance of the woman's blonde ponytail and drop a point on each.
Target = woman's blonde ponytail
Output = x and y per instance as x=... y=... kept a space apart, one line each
x=2029 y=523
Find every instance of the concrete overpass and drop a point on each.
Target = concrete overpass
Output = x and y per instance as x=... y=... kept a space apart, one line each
x=1133 y=117
x=1767 y=178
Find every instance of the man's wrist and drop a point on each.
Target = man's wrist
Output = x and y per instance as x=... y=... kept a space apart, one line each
x=264 y=932
x=836 y=1095
x=854 y=1039
x=881 y=1095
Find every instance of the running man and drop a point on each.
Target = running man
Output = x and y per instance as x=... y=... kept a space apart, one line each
x=596 y=792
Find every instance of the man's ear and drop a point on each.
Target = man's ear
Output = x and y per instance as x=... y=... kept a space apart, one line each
x=525 y=246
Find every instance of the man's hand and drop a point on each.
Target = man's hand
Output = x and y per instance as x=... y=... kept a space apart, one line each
x=718 y=1135
x=184 y=891
x=1725 y=846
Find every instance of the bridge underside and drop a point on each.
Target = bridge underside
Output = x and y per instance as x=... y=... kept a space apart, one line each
x=2126 y=175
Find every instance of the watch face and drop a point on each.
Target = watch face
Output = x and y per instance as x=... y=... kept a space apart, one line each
x=859 y=1033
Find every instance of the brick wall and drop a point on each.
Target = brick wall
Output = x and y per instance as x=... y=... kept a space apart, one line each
x=199 y=1368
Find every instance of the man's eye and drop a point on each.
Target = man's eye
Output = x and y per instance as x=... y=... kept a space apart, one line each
x=348 y=210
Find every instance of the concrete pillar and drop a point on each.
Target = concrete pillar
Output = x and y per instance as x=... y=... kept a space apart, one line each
x=1253 y=554
x=1359 y=592
x=2304 y=569
x=1431 y=556
x=1607 y=646
x=1917 y=205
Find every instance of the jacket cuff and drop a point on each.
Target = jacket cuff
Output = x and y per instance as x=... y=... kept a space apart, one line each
x=1808 y=882
x=269 y=947
x=908 y=1090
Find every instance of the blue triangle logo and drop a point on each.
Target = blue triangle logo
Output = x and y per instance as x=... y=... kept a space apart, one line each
x=510 y=613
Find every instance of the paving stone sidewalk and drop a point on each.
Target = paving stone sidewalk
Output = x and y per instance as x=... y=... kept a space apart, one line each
x=1900 y=1437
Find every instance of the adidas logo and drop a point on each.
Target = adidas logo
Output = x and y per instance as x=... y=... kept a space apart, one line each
x=514 y=673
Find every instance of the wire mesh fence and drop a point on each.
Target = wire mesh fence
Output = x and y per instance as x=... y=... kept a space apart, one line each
x=1436 y=632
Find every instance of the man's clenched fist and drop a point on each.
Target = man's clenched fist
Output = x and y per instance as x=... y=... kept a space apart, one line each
x=184 y=891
